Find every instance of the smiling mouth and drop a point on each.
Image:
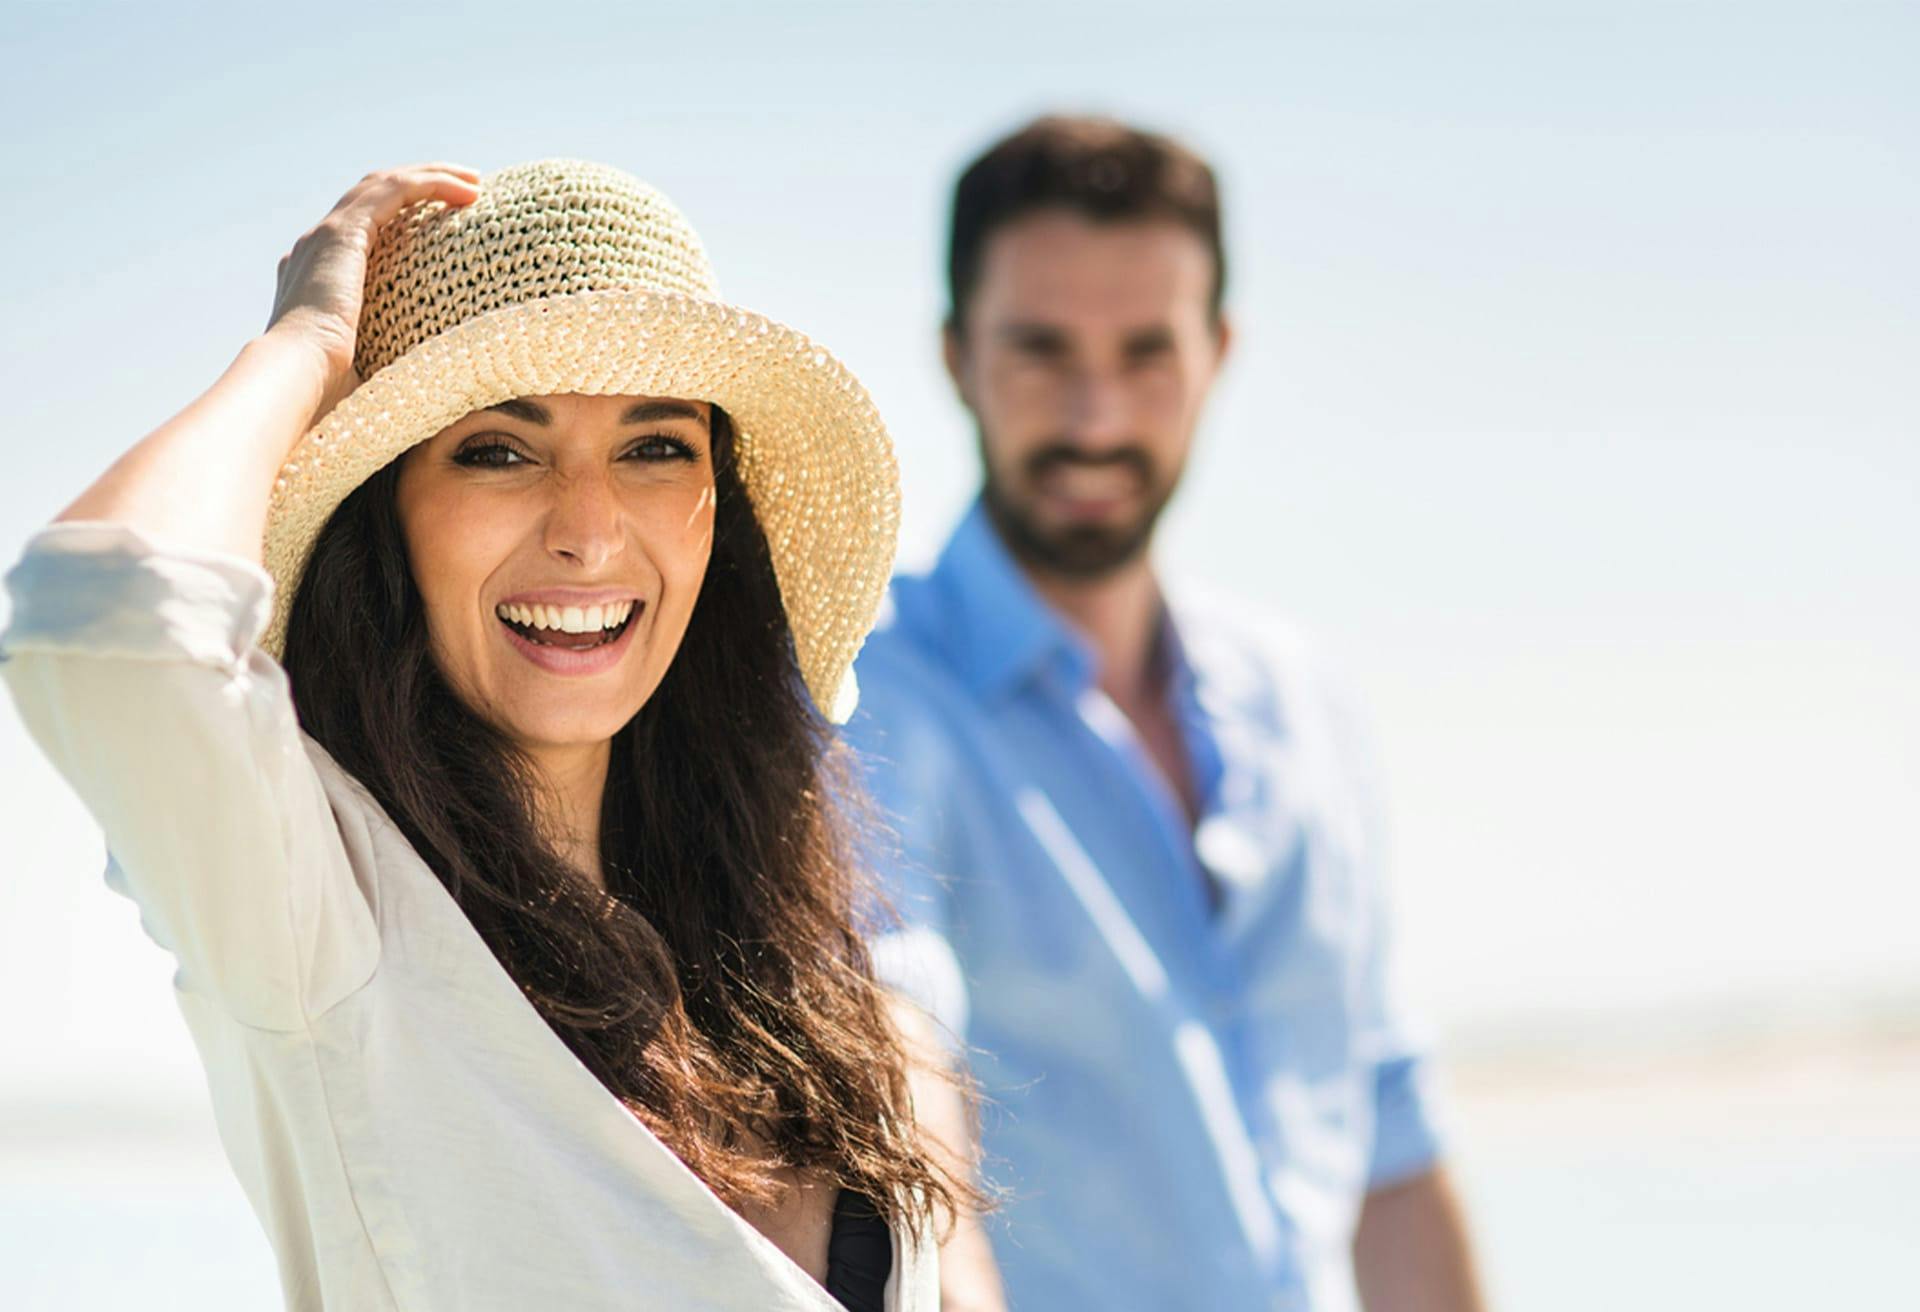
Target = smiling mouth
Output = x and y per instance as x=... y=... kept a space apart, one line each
x=570 y=628
x=1090 y=482
x=1086 y=480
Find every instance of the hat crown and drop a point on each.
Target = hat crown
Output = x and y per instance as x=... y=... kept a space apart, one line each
x=539 y=230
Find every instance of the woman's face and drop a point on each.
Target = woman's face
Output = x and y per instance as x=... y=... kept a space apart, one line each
x=559 y=543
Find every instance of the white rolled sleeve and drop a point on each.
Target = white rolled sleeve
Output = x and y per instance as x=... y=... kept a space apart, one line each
x=133 y=665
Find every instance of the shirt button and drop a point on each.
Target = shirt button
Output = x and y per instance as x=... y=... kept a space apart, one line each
x=1229 y=852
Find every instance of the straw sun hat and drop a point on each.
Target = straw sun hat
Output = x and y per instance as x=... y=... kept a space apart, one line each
x=567 y=277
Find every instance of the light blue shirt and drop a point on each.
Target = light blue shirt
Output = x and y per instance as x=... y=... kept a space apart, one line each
x=1188 y=1100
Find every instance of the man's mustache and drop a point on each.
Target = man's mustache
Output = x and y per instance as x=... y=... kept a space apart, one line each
x=1057 y=455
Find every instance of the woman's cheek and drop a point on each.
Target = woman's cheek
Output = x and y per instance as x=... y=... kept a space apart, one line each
x=471 y=535
x=687 y=524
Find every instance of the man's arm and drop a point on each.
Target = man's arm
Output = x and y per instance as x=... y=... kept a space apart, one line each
x=911 y=778
x=969 y=1278
x=1410 y=1253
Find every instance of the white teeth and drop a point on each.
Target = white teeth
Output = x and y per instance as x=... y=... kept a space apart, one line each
x=567 y=619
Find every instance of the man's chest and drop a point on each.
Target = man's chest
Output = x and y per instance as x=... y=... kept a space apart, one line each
x=1087 y=870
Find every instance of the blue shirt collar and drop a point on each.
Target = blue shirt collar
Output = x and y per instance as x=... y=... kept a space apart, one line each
x=1004 y=635
x=1188 y=691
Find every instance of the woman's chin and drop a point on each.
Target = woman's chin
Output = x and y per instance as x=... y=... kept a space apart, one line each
x=541 y=714
x=545 y=720
x=565 y=732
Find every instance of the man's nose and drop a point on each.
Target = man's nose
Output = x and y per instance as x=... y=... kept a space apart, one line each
x=1099 y=410
x=583 y=523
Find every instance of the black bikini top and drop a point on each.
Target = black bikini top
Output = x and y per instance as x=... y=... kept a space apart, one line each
x=859 y=1254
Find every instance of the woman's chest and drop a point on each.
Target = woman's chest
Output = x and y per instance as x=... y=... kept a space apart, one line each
x=473 y=1137
x=799 y=1221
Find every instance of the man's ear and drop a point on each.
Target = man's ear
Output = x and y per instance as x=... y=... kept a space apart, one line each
x=1222 y=338
x=953 y=350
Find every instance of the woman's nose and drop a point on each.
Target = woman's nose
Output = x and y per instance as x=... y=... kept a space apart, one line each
x=583 y=522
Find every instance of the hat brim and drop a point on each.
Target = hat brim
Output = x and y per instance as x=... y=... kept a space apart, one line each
x=813 y=454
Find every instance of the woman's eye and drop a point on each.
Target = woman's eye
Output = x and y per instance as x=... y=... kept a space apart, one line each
x=488 y=455
x=661 y=448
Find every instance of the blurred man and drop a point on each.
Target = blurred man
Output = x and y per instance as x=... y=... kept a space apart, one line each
x=1136 y=865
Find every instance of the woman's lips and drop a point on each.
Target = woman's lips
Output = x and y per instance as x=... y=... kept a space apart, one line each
x=568 y=661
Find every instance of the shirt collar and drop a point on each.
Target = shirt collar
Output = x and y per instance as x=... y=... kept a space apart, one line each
x=1189 y=693
x=1005 y=634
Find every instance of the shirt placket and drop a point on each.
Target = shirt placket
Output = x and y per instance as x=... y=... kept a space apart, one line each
x=1119 y=754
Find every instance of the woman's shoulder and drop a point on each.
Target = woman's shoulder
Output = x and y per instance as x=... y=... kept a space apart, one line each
x=344 y=791
x=376 y=848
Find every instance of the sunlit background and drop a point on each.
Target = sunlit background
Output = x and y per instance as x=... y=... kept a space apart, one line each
x=1575 y=409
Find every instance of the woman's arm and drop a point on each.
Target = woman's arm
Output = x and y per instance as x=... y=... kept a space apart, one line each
x=203 y=478
x=131 y=656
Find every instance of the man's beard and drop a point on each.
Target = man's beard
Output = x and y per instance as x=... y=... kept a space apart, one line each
x=1084 y=552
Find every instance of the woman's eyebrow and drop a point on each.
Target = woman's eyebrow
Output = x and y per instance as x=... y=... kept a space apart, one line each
x=520 y=408
x=648 y=412
x=641 y=412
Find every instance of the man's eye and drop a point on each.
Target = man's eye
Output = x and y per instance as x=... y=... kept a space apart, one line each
x=488 y=455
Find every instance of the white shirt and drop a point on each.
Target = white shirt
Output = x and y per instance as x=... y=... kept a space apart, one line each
x=410 y=1131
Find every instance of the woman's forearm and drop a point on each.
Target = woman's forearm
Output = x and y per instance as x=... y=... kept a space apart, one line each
x=203 y=478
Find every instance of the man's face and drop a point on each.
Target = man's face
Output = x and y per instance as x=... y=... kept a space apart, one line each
x=1085 y=354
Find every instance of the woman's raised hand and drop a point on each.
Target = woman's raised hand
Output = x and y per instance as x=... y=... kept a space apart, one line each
x=204 y=478
x=317 y=299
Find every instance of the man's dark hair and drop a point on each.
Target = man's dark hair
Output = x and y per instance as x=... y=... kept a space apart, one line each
x=1096 y=167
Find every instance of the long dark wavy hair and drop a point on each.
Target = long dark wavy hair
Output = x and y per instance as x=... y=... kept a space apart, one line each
x=719 y=987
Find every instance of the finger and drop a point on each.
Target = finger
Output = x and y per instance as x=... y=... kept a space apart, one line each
x=442 y=166
x=432 y=166
x=455 y=192
x=382 y=196
x=374 y=186
x=414 y=172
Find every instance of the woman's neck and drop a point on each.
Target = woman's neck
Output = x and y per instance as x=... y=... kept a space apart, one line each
x=573 y=782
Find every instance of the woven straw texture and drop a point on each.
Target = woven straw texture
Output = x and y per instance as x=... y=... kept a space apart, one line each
x=566 y=277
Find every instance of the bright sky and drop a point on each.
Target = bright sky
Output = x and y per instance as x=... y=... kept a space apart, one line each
x=1573 y=405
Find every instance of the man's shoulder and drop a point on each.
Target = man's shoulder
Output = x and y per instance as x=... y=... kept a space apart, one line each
x=907 y=646
x=1252 y=651
x=910 y=683
x=1256 y=631
x=1281 y=685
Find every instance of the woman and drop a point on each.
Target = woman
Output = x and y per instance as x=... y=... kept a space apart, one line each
x=527 y=975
